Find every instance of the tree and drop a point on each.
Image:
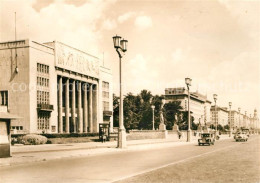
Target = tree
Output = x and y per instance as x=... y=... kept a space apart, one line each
x=145 y=96
x=115 y=111
x=131 y=105
x=157 y=102
x=145 y=111
x=171 y=109
x=183 y=123
x=220 y=128
x=226 y=127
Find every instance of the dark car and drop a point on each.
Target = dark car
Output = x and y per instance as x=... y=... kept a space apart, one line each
x=206 y=138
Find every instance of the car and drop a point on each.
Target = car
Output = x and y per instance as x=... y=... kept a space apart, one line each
x=241 y=136
x=206 y=138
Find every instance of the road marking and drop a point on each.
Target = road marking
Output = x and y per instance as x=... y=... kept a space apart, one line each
x=177 y=162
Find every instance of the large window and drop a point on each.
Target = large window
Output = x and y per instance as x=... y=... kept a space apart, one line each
x=43 y=96
x=43 y=121
x=4 y=98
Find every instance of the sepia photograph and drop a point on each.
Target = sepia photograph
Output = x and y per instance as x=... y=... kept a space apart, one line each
x=129 y=91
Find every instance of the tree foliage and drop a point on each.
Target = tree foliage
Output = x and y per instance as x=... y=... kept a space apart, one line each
x=138 y=113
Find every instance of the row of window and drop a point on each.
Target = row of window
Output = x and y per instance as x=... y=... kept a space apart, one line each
x=17 y=127
x=4 y=98
x=42 y=68
x=43 y=97
x=43 y=121
x=42 y=82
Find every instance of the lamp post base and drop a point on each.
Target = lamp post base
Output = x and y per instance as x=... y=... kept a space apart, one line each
x=189 y=135
x=121 y=143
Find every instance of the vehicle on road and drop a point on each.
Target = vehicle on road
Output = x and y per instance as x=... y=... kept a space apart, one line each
x=246 y=131
x=241 y=136
x=206 y=138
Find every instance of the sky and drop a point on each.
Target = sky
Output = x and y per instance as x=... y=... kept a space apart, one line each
x=215 y=43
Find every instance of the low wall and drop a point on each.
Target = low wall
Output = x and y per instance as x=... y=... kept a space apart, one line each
x=146 y=134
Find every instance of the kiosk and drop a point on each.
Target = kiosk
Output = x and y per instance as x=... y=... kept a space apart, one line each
x=104 y=131
x=5 y=136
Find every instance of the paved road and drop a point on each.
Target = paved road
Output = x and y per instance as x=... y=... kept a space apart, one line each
x=122 y=164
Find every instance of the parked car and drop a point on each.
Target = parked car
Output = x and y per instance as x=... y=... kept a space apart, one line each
x=206 y=138
x=241 y=136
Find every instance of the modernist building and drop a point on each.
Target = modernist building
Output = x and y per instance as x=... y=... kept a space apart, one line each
x=54 y=87
x=199 y=105
x=219 y=115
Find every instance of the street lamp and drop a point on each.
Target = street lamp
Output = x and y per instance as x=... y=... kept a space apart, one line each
x=216 y=123
x=230 y=125
x=239 y=117
x=153 y=115
x=121 y=47
x=245 y=125
x=188 y=83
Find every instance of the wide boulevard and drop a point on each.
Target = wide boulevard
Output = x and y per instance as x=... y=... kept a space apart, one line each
x=226 y=161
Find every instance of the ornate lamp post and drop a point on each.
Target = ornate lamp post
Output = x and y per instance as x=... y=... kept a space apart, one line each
x=153 y=114
x=188 y=83
x=121 y=47
x=239 y=118
x=216 y=123
x=230 y=123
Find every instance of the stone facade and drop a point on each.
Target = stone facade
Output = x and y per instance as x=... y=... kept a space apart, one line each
x=199 y=105
x=54 y=87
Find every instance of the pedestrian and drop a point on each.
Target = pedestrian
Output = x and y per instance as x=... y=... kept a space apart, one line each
x=104 y=137
x=179 y=134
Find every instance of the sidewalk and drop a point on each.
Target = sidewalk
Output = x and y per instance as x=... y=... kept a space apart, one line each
x=35 y=153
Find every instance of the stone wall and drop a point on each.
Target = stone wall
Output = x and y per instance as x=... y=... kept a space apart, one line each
x=146 y=134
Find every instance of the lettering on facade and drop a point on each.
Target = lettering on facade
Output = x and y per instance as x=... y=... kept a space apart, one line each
x=74 y=60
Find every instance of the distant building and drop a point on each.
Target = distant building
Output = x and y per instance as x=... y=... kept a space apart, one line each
x=199 y=105
x=54 y=87
x=219 y=115
x=256 y=124
x=236 y=122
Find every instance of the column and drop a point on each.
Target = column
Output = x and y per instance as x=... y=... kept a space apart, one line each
x=80 y=122
x=90 y=120
x=67 y=107
x=95 y=108
x=85 y=108
x=60 y=126
x=73 y=110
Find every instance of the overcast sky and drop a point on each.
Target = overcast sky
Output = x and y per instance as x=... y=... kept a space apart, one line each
x=216 y=43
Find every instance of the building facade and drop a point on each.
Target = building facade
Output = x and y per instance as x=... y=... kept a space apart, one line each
x=54 y=87
x=219 y=115
x=199 y=105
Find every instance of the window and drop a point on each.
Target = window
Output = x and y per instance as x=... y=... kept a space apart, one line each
x=4 y=98
x=105 y=106
x=43 y=121
x=17 y=127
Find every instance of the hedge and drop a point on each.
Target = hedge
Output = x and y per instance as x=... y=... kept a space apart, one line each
x=32 y=140
x=68 y=135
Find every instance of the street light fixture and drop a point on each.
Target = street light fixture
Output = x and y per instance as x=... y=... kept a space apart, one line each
x=230 y=125
x=239 y=117
x=121 y=47
x=215 y=96
x=188 y=83
x=153 y=115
